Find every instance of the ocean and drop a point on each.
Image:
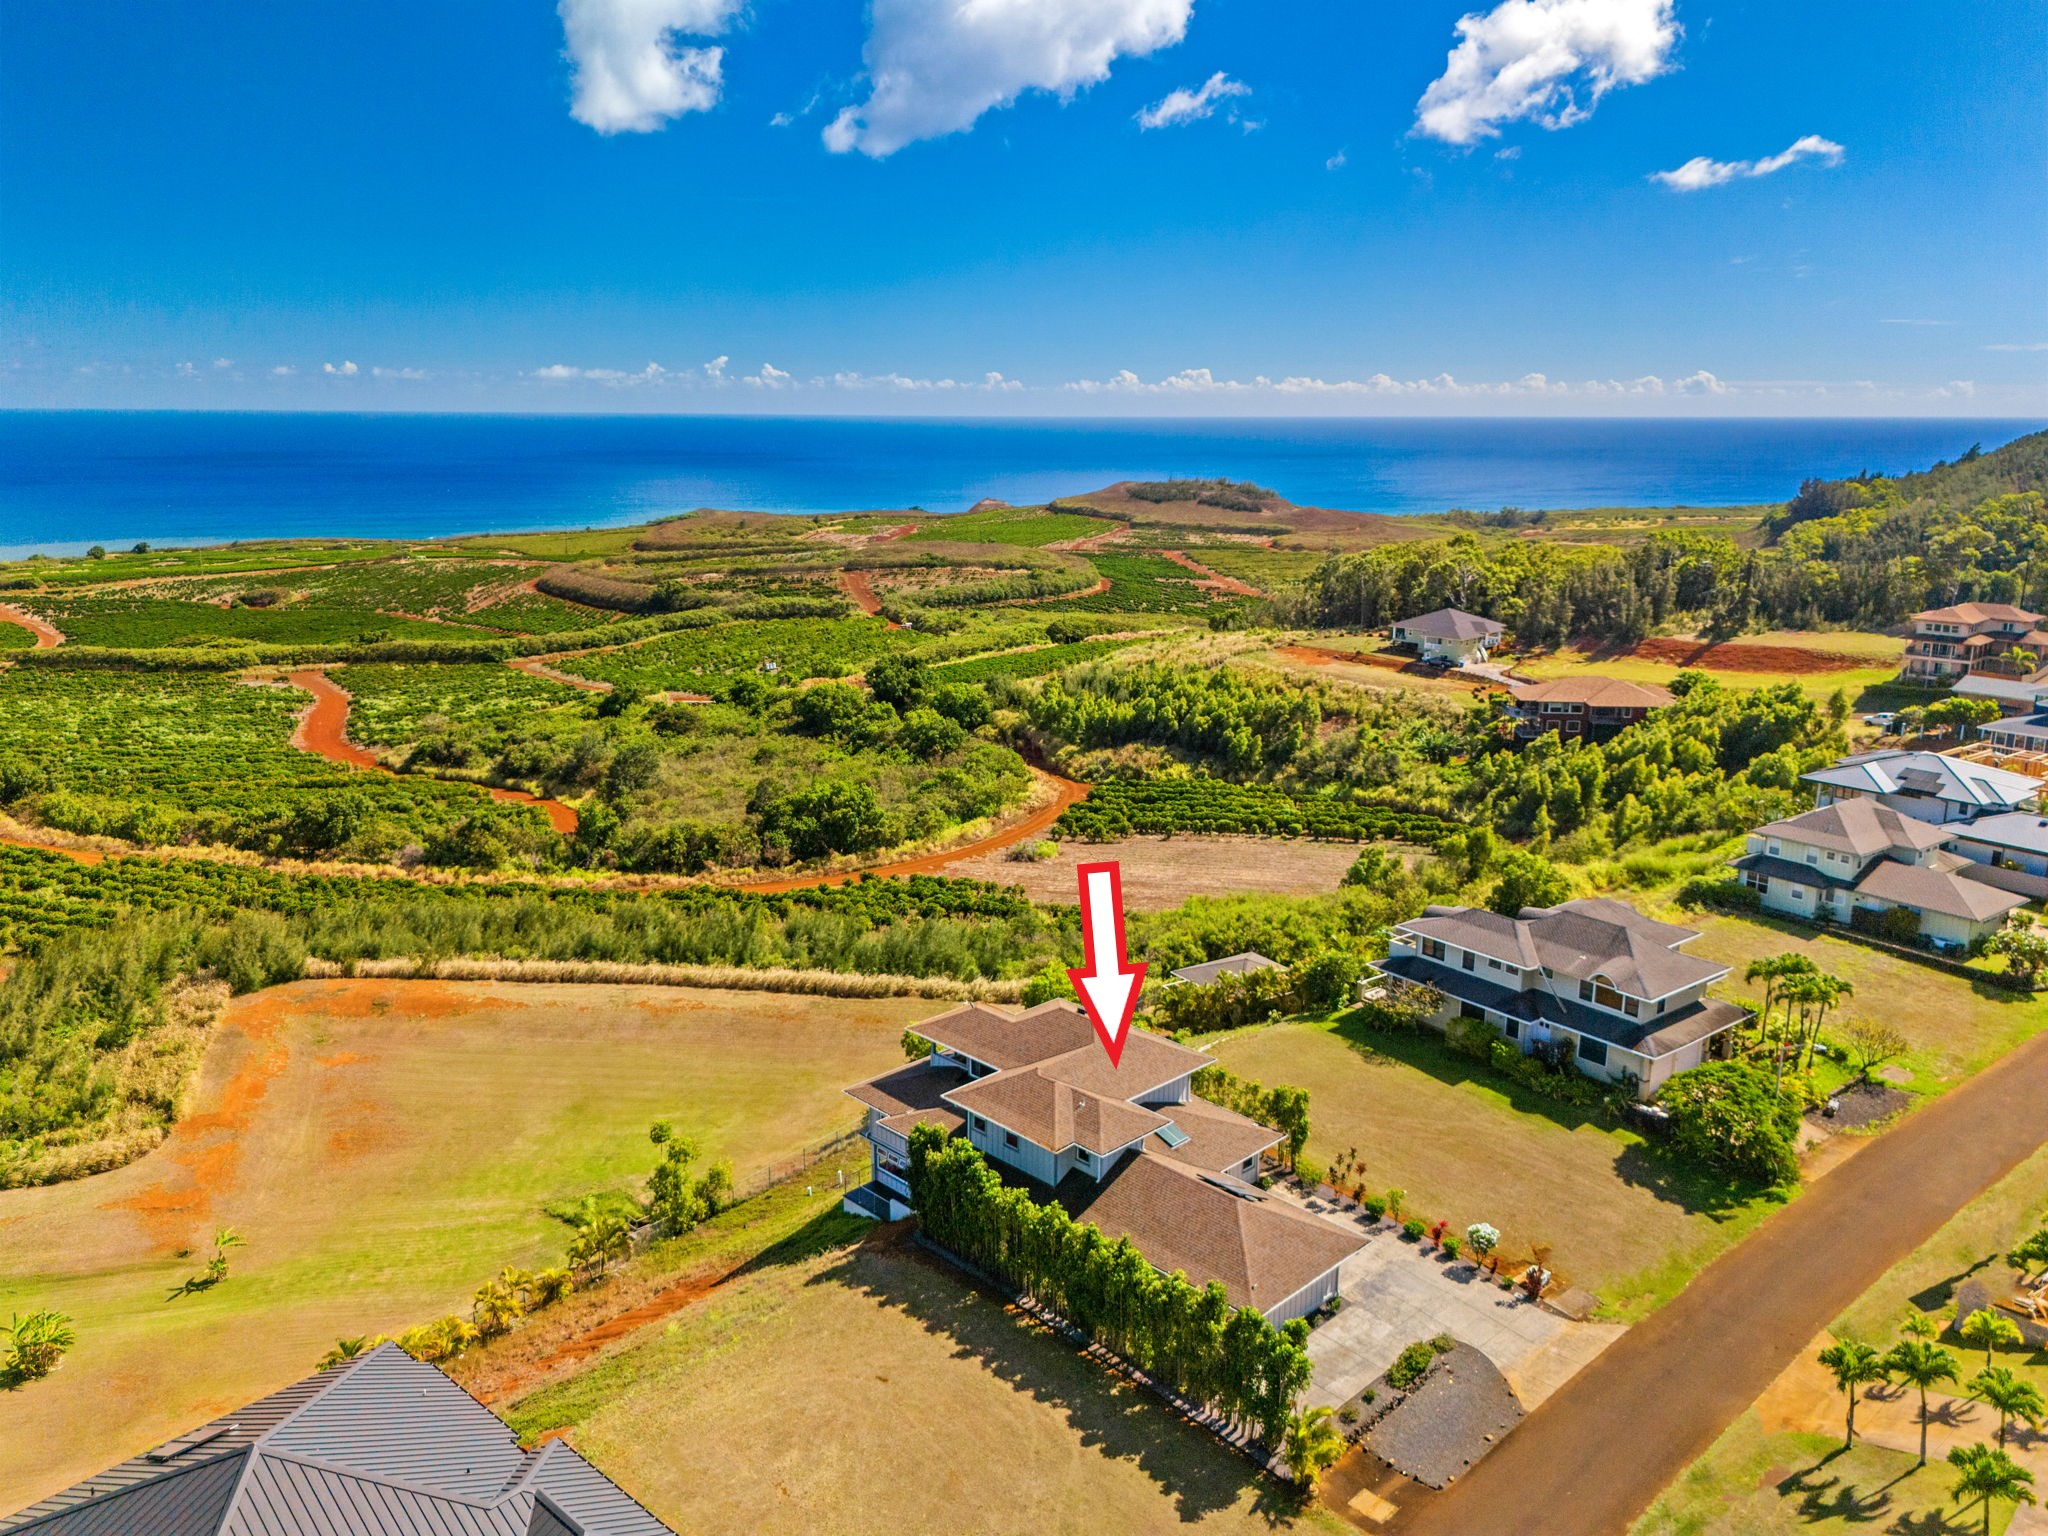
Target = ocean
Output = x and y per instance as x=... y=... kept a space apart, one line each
x=71 y=479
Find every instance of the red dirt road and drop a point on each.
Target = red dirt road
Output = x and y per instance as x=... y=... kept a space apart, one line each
x=323 y=731
x=1591 y=1458
x=1066 y=792
x=1732 y=656
x=48 y=636
x=856 y=585
x=1215 y=581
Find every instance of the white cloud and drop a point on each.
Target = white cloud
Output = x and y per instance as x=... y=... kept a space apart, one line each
x=715 y=369
x=1699 y=173
x=398 y=373
x=770 y=377
x=187 y=371
x=1336 y=162
x=1202 y=381
x=1191 y=106
x=934 y=66
x=283 y=371
x=1535 y=59
x=630 y=75
x=223 y=362
x=344 y=370
x=653 y=373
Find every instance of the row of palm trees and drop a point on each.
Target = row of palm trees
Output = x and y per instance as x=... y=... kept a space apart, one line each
x=1807 y=993
x=1985 y=1473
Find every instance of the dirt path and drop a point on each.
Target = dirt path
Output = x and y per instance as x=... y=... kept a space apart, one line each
x=48 y=636
x=82 y=855
x=579 y=1347
x=856 y=585
x=1066 y=792
x=1215 y=581
x=1672 y=1384
x=533 y=666
x=323 y=731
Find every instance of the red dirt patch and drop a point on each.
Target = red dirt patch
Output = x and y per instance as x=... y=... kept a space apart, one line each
x=370 y=999
x=1733 y=657
x=323 y=731
x=1319 y=656
x=48 y=636
x=82 y=855
x=855 y=584
x=535 y=666
x=341 y=1059
x=580 y=1347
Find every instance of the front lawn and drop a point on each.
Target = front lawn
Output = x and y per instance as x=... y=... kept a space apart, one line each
x=1468 y=1145
x=1955 y=1027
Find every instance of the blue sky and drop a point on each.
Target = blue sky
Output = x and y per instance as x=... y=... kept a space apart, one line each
x=1351 y=206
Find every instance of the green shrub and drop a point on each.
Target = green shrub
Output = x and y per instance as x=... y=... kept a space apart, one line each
x=1374 y=1206
x=1728 y=1114
x=1411 y=1366
x=1412 y=1229
x=1449 y=1248
x=1718 y=895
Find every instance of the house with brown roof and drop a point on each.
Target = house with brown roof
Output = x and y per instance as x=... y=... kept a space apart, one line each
x=1582 y=708
x=1944 y=644
x=1127 y=1147
x=383 y=1443
x=1593 y=977
x=1862 y=856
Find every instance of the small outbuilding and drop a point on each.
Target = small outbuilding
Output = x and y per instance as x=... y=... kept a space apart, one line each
x=1210 y=971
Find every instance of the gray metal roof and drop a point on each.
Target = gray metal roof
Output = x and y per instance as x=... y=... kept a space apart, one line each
x=2014 y=829
x=1450 y=624
x=1230 y=965
x=1928 y=773
x=383 y=1445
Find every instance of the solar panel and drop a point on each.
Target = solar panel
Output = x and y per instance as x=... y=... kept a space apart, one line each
x=1173 y=1135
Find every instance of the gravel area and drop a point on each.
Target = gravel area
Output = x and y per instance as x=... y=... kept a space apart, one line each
x=1460 y=1412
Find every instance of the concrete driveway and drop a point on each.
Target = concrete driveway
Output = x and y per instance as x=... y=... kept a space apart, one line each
x=1397 y=1293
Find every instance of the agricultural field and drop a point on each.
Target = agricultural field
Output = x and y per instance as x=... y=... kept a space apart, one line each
x=694 y=1416
x=133 y=618
x=1026 y=527
x=1036 y=662
x=1140 y=583
x=1468 y=1145
x=1781 y=1469
x=382 y=1148
x=393 y=705
x=1162 y=872
x=1120 y=807
x=798 y=648
x=165 y=757
x=249 y=558
x=1270 y=570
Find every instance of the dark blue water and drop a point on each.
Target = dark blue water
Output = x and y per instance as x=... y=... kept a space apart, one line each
x=69 y=479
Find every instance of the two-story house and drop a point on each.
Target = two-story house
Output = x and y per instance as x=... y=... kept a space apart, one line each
x=1947 y=643
x=1932 y=786
x=1128 y=1148
x=1829 y=863
x=1594 y=973
x=1582 y=708
x=1449 y=635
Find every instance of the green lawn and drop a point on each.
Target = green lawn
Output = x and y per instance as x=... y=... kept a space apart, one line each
x=383 y=1147
x=1470 y=1146
x=1856 y=680
x=1956 y=1027
x=865 y=1388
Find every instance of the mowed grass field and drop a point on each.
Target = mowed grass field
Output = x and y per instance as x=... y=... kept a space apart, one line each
x=1469 y=1146
x=867 y=1389
x=1955 y=1027
x=382 y=1147
x=1762 y=1480
x=1848 y=660
x=1162 y=872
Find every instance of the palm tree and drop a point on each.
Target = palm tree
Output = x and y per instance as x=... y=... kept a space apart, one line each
x=1983 y=1473
x=549 y=1287
x=344 y=1350
x=2013 y=1397
x=1771 y=971
x=601 y=1236
x=1986 y=1329
x=2030 y=1256
x=1814 y=992
x=1854 y=1365
x=494 y=1308
x=1920 y=1326
x=1920 y=1364
x=38 y=1342
x=1313 y=1444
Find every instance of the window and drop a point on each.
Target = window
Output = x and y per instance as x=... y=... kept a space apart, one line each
x=1493 y=964
x=1433 y=948
x=1467 y=962
x=1082 y=1159
x=1010 y=1140
x=1471 y=1011
x=1592 y=1052
x=1631 y=1007
x=1512 y=1028
x=1600 y=993
x=1761 y=884
x=981 y=1125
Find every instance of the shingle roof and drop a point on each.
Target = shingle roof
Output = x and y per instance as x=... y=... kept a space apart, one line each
x=1230 y=965
x=1056 y=1115
x=1596 y=936
x=2009 y=689
x=1928 y=773
x=1451 y=624
x=1217 y=1138
x=1860 y=827
x=1000 y=1039
x=381 y=1446
x=1977 y=613
x=1934 y=890
x=1594 y=693
x=1262 y=1249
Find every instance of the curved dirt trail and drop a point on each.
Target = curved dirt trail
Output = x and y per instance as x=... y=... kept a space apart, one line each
x=48 y=636
x=535 y=666
x=1066 y=792
x=1216 y=581
x=323 y=731
x=856 y=585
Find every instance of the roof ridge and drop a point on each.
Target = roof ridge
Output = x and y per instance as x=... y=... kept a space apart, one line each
x=387 y=1480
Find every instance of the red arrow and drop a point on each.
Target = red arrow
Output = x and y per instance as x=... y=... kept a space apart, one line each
x=1108 y=985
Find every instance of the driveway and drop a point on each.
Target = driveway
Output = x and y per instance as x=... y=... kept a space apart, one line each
x=1675 y=1381
x=1397 y=1294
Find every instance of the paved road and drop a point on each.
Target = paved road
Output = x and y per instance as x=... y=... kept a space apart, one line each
x=1592 y=1458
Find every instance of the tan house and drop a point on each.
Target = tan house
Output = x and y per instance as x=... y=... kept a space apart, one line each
x=1449 y=635
x=1944 y=644
x=1582 y=708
